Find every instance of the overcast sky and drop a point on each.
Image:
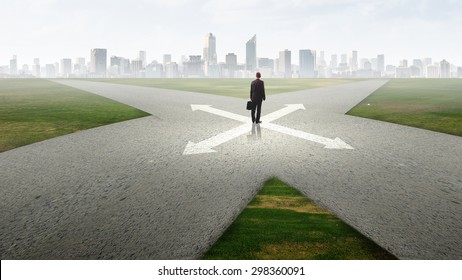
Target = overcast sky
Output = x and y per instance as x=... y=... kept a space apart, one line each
x=55 y=29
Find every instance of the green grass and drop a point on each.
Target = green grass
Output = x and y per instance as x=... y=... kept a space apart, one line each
x=230 y=87
x=280 y=223
x=433 y=104
x=33 y=110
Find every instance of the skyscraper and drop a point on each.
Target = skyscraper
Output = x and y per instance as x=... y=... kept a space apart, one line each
x=354 y=61
x=285 y=63
x=445 y=69
x=98 y=62
x=251 y=54
x=79 y=66
x=210 y=52
x=14 y=65
x=381 y=63
x=210 y=49
x=167 y=59
x=231 y=64
x=307 y=59
x=36 y=68
x=66 y=67
x=142 y=57
x=333 y=61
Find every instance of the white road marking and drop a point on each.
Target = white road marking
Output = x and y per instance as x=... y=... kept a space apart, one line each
x=328 y=143
x=206 y=146
x=290 y=108
x=218 y=112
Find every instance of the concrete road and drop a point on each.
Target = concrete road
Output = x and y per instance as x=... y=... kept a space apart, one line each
x=126 y=191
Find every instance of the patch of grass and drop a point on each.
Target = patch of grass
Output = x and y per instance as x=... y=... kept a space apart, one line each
x=281 y=223
x=230 y=87
x=33 y=110
x=433 y=104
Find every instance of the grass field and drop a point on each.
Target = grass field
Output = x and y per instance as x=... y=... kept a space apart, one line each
x=433 y=104
x=230 y=87
x=280 y=223
x=33 y=110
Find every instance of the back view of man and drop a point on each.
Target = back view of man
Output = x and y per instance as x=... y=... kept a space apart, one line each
x=257 y=95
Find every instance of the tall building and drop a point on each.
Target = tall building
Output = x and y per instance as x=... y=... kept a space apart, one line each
x=210 y=49
x=136 y=68
x=251 y=54
x=98 y=62
x=79 y=66
x=167 y=58
x=322 y=59
x=142 y=58
x=210 y=53
x=307 y=59
x=66 y=67
x=381 y=63
x=193 y=67
x=14 y=65
x=445 y=69
x=285 y=63
x=333 y=61
x=403 y=63
x=171 y=70
x=459 y=72
x=432 y=71
x=115 y=65
x=354 y=61
x=231 y=64
x=154 y=70
x=36 y=68
x=50 y=71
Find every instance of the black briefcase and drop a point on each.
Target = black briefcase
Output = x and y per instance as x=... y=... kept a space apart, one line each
x=249 y=105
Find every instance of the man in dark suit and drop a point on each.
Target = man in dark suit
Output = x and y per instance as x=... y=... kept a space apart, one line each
x=257 y=95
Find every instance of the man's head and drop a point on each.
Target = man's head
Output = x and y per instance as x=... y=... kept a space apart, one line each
x=258 y=75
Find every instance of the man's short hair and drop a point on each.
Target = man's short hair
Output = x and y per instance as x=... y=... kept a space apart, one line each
x=258 y=75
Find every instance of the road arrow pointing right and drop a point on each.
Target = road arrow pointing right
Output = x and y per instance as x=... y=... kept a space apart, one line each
x=290 y=108
x=328 y=143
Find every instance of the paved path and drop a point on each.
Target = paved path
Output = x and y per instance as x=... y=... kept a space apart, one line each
x=126 y=191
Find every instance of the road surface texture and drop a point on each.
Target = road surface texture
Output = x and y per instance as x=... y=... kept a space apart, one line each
x=126 y=191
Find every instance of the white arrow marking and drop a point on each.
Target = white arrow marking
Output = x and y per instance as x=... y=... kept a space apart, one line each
x=229 y=115
x=207 y=145
x=328 y=143
x=290 y=108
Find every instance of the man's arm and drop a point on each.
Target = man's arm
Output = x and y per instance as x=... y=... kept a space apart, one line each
x=251 y=84
x=263 y=85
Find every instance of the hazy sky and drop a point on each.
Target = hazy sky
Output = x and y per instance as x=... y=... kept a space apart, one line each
x=55 y=29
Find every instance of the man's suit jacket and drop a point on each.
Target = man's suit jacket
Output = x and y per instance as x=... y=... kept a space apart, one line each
x=257 y=91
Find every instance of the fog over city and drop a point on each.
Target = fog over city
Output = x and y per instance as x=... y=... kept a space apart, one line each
x=52 y=30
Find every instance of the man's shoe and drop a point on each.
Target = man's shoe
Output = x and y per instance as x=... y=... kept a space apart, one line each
x=257 y=122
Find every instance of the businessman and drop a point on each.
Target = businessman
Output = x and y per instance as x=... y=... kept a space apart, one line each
x=257 y=95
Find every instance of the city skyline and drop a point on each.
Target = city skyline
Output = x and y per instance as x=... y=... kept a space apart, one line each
x=52 y=30
x=311 y=65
